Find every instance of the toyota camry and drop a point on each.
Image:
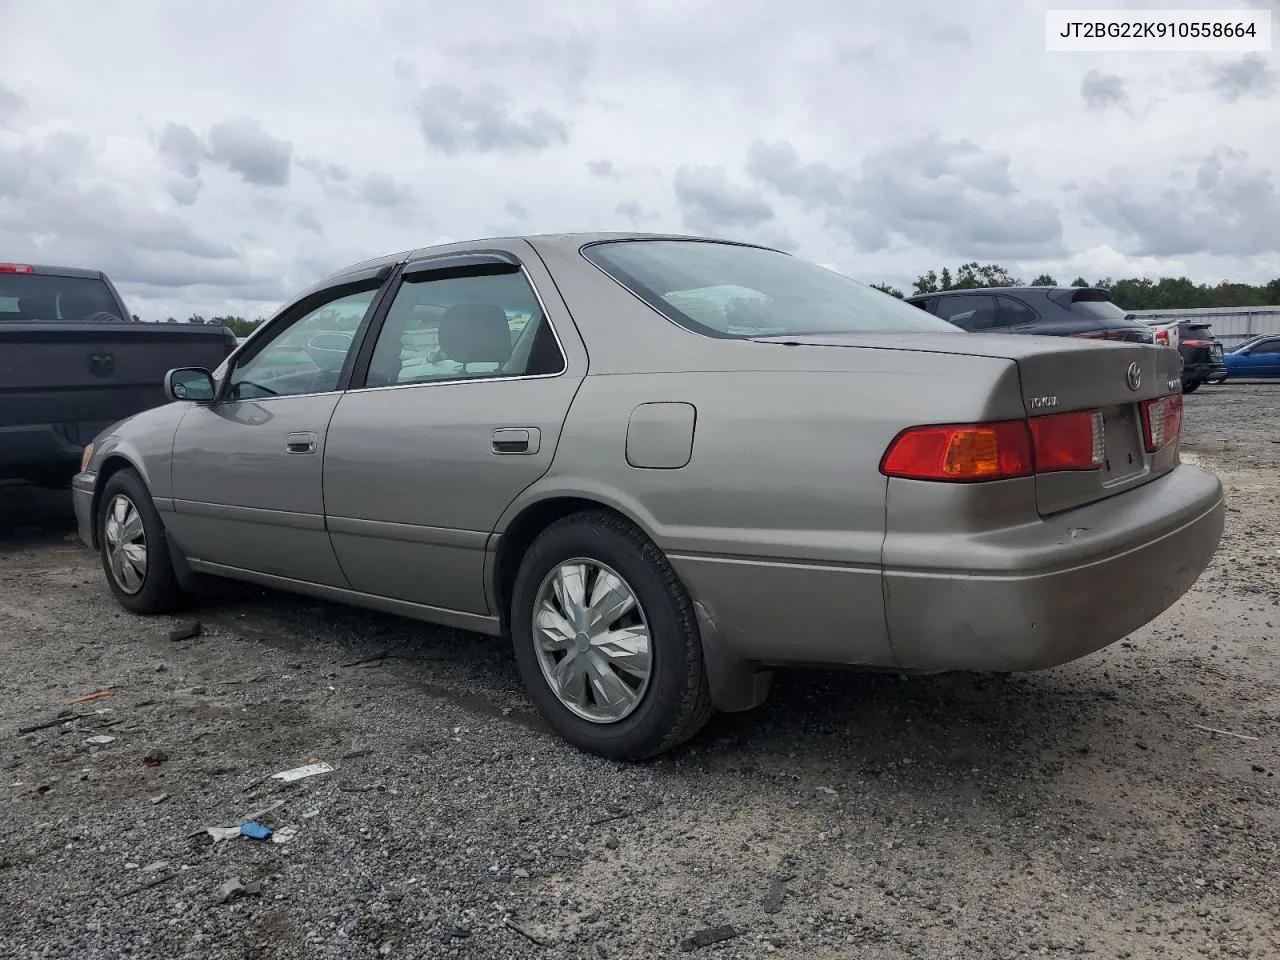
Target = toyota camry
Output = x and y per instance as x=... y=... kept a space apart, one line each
x=664 y=466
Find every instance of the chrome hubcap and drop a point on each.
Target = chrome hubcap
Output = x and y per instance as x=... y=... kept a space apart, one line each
x=592 y=641
x=126 y=543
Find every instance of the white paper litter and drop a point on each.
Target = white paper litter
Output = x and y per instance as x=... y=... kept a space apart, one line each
x=284 y=834
x=301 y=773
x=222 y=833
x=100 y=740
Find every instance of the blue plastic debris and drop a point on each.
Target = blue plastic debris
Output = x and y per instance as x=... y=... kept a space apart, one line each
x=255 y=831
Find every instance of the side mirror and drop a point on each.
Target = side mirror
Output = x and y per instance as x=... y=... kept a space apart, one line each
x=189 y=384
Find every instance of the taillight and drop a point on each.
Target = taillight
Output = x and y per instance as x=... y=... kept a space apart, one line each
x=964 y=453
x=1161 y=421
x=1162 y=336
x=1068 y=441
x=1096 y=335
x=1197 y=343
x=960 y=453
x=15 y=268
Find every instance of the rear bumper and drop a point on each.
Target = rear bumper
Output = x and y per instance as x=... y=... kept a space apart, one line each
x=82 y=500
x=1200 y=372
x=1109 y=568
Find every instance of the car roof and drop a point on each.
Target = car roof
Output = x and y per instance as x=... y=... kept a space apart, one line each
x=563 y=240
x=46 y=270
x=1022 y=290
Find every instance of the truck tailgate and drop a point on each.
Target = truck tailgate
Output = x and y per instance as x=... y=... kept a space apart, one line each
x=64 y=373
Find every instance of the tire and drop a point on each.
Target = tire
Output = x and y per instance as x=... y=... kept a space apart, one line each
x=1191 y=387
x=674 y=701
x=155 y=589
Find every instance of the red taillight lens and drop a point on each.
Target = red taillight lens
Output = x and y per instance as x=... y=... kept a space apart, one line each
x=1161 y=421
x=1162 y=336
x=15 y=268
x=963 y=453
x=960 y=453
x=1068 y=441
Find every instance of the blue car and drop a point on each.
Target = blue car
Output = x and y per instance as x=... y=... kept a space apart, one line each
x=1259 y=357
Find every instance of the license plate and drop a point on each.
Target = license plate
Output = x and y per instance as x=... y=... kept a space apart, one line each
x=1123 y=444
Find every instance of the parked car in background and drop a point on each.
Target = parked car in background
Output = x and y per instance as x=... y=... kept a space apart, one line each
x=1259 y=357
x=1202 y=355
x=1045 y=311
x=664 y=466
x=73 y=362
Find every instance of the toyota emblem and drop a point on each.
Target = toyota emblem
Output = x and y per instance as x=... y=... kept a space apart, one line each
x=1134 y=375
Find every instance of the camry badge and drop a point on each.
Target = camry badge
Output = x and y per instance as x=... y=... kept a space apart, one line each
x=1134 y=375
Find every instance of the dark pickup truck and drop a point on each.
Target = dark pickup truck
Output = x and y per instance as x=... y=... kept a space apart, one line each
x=73 y=362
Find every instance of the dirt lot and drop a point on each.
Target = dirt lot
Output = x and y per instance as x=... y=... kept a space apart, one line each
x=1084 y=809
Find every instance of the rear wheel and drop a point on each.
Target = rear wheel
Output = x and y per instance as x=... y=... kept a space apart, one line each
x=135 y=552
x=607 y=640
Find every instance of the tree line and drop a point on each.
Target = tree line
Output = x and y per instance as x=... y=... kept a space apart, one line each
x=1167 y=293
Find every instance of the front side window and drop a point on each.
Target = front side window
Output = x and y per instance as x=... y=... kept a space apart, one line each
x=1267 y=346
x=488 y=324
x=726 y=290
x=305 y=356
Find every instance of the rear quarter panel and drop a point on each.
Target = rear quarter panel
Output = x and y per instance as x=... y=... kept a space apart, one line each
x=782 y=498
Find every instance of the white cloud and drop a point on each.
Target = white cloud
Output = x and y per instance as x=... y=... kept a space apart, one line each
x=248 y=148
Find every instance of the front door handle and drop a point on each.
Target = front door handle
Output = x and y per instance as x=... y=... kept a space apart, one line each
x=517 y=440
x=300 y=443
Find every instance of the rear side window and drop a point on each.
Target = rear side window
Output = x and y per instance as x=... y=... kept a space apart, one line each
x=39 y=298
x=973 y=312
x=1013 y=313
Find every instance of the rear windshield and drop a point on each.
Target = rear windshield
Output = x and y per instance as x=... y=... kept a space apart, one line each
x=1098 y=310
x=726 y=290
x=36 y=298
x=1195 y=331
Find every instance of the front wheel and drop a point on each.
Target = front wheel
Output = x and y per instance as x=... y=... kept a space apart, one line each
x=135 y=552
x=607 y=641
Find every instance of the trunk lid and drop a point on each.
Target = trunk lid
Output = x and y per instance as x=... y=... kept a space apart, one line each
x=1061 y=375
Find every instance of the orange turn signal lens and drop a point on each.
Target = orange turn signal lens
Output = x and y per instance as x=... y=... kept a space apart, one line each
x=86 y=457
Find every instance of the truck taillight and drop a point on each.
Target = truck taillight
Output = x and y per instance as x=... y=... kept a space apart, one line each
x=965 y=453
x=1162 y=336
x=1161 y=421
x=15 y=268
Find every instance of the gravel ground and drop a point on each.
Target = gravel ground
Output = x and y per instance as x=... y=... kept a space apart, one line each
x=1083 y=809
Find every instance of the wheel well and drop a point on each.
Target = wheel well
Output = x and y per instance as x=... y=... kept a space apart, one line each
x=519 y=537
x=110 y=467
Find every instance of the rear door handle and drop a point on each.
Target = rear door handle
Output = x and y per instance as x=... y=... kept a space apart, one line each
x=517 y=440
x=300 y=443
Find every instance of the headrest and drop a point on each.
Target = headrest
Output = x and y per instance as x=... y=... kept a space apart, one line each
x=475 y=333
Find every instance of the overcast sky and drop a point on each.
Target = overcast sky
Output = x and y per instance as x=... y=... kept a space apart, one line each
x=217 y=157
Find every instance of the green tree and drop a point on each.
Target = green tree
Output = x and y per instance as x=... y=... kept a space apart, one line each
x=1044 y=280
x=891 y=291
x=1079 y=282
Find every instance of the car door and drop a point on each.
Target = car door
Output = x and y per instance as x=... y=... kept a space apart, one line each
x=456 y=407
x=247 y=468
x=1264 y=359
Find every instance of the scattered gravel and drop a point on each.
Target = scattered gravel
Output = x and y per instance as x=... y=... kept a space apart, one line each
x=1089 y=809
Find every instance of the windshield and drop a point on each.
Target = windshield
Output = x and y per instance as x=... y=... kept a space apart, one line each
x=37 y=298
x=1098 y=309
x=726 y=290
